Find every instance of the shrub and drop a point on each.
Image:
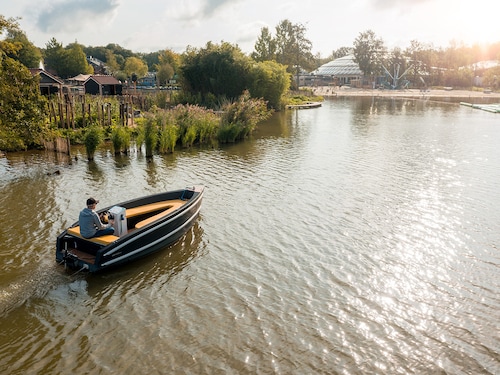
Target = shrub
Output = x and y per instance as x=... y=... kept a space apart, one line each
x=120 y=137
x=169 y=133
x=92 y=139
x=240 y=118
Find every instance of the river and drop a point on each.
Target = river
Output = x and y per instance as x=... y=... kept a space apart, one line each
x=361 y=237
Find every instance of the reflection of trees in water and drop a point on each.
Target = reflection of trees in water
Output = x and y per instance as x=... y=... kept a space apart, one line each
x=151 y=172
x=121 y=161
x=95 y=173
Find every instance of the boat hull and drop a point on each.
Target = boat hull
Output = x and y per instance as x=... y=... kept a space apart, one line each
x=78 y=253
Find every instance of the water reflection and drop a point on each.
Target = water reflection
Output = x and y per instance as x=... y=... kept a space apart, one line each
x=359 y=237
x=95 y=173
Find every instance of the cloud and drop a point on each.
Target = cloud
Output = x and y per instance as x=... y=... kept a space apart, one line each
x=195 y=10
x=394 y=4
x=73 y=15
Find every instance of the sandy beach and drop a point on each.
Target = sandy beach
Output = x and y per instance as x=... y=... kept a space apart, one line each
x=437 y=94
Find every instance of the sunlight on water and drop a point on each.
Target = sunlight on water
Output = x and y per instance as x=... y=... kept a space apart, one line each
x=360 y=237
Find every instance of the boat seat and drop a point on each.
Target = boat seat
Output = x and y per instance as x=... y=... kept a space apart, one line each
x=174 y=205
x=101 y=240
x=152 y=207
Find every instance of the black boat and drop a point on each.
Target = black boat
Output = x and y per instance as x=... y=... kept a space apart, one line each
x=142 y=226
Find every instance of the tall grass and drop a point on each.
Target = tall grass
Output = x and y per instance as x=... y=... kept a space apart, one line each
x=92 y=138
x=120 y=137
x=169 y=132
x=240 y=118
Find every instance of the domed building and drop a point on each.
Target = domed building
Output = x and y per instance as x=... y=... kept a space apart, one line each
x=338 y=72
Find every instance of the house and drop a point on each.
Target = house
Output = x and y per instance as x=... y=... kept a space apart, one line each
x=49 y=84
x=148 y=81
x=102 y=85
x=98 y=65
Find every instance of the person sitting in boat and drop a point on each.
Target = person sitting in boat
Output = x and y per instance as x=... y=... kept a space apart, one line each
x=90 y=222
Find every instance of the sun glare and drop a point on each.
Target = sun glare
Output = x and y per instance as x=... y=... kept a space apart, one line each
x=471 y=22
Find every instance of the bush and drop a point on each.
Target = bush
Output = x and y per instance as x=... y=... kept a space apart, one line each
x=149 y=135
x=239 y=119
x=93 y=137
x=120 y=137
x=169 y=132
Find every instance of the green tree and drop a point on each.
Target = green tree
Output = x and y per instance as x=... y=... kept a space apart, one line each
x=27 y=54
x=134 y=66
x=419 y=58
x=74 y=62
x=293 y=49
x=21 y=104
x=270 y=81
x=164 y=73
x=340 y=52
x=369 y=52
x=220 y=70
x=265 y=47
x=167 y=66
x=111 y=62
x=54 y=55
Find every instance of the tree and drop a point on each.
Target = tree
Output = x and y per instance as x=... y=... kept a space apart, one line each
x=167 y=66
x=419 y=58
x=135 y=67
x=265 y=47
x=66 y=62
x=74 y=62
x=220 y=70
x=293 y=49
x=111 y=62
x=369 y=52
x=27 y=54
x=270 y=81
x=164 y=73
x=54 y=55
x=341 y=52
x=21 y=104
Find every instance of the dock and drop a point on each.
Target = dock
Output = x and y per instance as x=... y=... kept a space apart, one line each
x=493 y=108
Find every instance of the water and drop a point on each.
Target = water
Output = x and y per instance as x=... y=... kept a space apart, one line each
x=361 y=237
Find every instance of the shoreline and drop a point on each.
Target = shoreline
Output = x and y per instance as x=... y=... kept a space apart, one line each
x=438 y=94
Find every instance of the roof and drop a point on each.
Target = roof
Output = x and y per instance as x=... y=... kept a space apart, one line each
x=46 y=76
x=344 y=66
x=104 y=80
x=80 y=77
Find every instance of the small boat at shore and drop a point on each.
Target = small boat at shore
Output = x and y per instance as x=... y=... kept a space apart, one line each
x=142 y=226
x=306 y=105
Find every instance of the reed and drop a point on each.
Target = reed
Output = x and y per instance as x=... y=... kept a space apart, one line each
x=150 y=131
x=92 y=139
x=169 y=132
x=120 y=138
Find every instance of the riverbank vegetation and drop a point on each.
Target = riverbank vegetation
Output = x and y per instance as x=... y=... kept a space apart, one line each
x=220 y=93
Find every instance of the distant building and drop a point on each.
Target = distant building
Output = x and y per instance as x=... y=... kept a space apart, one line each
x=148 y=81
x=102 y=85
x=98 y=65
x=338 y=72
x=49 y=84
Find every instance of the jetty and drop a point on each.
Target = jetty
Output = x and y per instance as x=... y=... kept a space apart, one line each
x=493 y=108
x=306 y=105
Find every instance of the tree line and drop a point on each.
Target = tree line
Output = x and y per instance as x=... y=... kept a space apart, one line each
x=214 y=75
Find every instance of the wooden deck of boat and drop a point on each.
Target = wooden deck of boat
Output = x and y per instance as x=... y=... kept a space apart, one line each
x=152 y=207
x=172 y=206
x=167 y=207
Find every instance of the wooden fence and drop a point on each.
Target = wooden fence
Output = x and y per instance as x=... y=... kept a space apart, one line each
x=64 y=110
x=59 y=144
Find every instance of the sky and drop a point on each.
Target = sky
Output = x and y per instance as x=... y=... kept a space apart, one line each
x=153 y=25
